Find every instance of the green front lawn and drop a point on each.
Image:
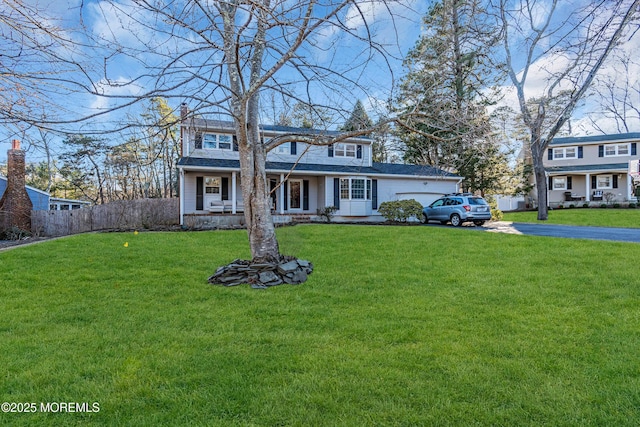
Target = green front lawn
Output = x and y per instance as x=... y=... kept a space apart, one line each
x=401 y=325
x=621 y=217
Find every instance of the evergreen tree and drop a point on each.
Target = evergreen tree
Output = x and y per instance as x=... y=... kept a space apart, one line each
x=358 y=120
x=444 y=93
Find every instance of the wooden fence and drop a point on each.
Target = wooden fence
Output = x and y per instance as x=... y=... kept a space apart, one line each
x=118 y=215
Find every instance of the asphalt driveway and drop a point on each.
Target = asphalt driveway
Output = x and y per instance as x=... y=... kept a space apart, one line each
x=567 y=231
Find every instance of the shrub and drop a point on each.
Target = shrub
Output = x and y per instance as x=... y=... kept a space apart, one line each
x=14 y=233
x=496 y=214
x=616 y=205
x=560 y=206
x=327 y=212
x=571 y=206
x=585 y=205
x=603 y=205
x=632 y=205
x=400 y=210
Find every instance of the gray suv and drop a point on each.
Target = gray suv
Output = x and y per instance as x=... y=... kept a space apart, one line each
x=457 y=209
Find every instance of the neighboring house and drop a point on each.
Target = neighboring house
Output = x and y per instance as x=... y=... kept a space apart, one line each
x=42 y=201
x=312 y=177
x=59 y=204
x=39 y=198
x=591 y=168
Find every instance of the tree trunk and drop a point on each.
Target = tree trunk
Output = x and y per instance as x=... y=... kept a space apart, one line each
x=537 y=154
x=257 y=203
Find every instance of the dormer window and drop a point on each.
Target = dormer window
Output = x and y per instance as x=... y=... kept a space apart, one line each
x=217 y=141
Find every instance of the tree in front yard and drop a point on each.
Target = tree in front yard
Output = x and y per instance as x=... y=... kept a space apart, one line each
x=565 y=45
x=227 y=58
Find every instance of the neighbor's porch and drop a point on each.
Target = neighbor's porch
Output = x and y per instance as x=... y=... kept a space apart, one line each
x=590 y=188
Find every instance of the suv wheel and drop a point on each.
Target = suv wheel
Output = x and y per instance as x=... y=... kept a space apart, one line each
x=425 y=220
x=455 y=220
x=478 y=223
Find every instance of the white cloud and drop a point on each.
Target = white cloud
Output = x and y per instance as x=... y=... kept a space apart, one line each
x=118 y=88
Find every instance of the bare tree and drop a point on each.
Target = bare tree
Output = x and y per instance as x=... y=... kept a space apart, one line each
x=618 y=95
x=224 y=57
x=568 y=47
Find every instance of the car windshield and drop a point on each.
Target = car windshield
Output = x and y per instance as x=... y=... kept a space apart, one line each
x=477 y=201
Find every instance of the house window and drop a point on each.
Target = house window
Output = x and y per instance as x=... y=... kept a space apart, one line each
x=604 y=182
x=565 y=153
x=212 y=185
x=559 y=183
x=611 y=150
x=344 y=150
x=355 y=189
x=224 y=142
x=344 y=188
x=283 y=149
x=217 y=141
x=558 y=153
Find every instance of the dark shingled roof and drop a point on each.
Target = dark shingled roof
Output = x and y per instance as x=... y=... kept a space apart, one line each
x=587 y=168
x=375 y=169
x=228 y=125
x=594 y=138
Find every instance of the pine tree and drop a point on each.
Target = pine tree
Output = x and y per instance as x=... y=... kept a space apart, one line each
x=445 y=93
x=358 y=120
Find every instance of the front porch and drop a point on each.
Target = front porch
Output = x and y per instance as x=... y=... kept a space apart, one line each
x=589 y=189
x=210 y=220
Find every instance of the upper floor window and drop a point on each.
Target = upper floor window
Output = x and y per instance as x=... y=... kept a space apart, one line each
x=217 y=141
x=565 y=153
x=344 y=150
x=283 y=149
x=616 y=150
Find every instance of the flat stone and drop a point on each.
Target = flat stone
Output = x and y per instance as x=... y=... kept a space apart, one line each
x=268 y=276
x=296 y=278
x=288 y=267
x=263 y=266
x=304 y=263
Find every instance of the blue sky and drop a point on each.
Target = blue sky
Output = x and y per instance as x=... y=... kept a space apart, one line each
x=398 y=35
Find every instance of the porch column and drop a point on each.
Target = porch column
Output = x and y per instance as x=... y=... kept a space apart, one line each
x=181 y=208
x=233 y=192
x=282 y=184
x=629 y=186
x=587 y=191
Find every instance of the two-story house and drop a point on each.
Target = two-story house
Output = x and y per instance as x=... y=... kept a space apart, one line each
x=303 y=177
x=591 y=168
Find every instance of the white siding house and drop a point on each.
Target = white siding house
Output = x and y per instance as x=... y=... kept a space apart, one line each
x=591 y=168
x=304 y=178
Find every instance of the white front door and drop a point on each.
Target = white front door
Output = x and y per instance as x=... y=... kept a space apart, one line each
x=212 y=186
x=295 y=194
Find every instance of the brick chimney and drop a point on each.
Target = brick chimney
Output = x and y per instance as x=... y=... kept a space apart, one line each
x=15 y=204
